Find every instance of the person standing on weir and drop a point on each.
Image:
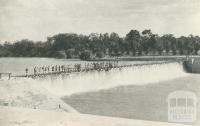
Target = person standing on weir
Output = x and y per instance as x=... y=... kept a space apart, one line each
x=52 y=69
x=35 y=71
x=63 y=68
x=48 y=70
x=39 y=70
x=56 y=68
x=42 y=70
x=26 y=70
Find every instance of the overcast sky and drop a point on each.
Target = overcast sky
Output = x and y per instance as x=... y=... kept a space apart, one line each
x=37 y=19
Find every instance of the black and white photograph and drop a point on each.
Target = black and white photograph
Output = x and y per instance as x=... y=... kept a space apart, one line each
x=99 y=62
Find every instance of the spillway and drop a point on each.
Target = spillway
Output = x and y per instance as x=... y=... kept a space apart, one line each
x=45 y=93
x=67 y=84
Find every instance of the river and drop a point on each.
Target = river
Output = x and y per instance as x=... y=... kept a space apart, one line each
x=136 y=92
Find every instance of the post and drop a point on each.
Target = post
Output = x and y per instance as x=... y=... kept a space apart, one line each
x=9 y=76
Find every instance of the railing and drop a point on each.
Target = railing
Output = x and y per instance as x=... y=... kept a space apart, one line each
x=61 y=69
x=7 y=74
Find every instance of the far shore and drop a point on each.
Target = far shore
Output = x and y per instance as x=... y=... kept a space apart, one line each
x=122 y=58
x=143 y=58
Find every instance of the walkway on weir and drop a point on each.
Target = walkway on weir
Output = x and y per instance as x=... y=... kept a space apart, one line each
x=66 y=69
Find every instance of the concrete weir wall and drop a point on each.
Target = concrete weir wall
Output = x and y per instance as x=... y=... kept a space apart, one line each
x=67 y=84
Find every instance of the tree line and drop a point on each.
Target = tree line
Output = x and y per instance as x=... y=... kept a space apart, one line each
x=71 y=45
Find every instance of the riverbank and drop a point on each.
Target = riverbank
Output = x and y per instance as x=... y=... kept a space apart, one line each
x=121 y=58
x=142 y=58
x=12 y=116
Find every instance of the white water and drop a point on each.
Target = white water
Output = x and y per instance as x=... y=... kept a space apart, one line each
x=45 y=93
x=27 y=93
x=62 y=85
x=17 y=66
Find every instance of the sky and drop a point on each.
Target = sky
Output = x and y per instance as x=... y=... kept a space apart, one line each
x=38 y=19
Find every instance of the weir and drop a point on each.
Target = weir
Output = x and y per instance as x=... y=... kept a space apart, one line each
x=45 y=91
x=78 y=68
x=76 y=82
x=5 y=75
x=67 y=83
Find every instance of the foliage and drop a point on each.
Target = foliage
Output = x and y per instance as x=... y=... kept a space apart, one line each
x=85 y=55
x=71 y=45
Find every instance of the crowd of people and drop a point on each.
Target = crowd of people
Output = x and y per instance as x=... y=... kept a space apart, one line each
x=73 y=68
x=49 y=69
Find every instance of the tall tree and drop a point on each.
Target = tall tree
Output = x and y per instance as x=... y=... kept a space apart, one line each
x=133 y=39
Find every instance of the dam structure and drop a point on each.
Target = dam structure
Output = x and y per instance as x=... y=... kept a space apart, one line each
x=64 y=83
x=83 y=79
x=43 y=91
x=43 y=71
